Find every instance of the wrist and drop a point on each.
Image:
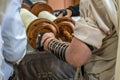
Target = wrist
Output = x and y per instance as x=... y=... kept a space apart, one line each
x=43 y=40
x=46 y=43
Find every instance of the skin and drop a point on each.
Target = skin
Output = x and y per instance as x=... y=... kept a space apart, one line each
x=69 y=13
x=77 y=52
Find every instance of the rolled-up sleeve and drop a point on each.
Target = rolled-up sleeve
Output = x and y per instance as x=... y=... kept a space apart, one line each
x=13 y=33
x=87 y=31
x=94 y=24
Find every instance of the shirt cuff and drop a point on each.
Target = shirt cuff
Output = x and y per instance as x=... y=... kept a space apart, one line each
x=17 y=62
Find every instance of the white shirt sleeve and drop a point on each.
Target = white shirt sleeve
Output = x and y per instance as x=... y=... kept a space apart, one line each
x=13 y=33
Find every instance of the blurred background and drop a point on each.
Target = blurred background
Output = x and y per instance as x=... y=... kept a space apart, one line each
x=58 y=4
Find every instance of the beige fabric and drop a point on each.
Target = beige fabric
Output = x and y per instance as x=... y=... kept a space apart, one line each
x=94 y=23
x=88 y=32
x=111 y=8
x=96 y=28
x=117 y=68
x=103 y=60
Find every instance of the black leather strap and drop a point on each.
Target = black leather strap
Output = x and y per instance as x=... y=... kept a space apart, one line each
x=38 y=42
x=64 y=12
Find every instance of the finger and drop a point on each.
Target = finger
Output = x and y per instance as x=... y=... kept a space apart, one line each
x=60 y=15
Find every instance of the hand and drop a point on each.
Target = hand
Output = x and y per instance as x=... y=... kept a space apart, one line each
x=65 y=13
x=47 y=37
x=43 y=40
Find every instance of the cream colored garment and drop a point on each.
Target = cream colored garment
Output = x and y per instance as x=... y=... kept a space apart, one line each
x=95 y=28
x=113 y=8
x=117 y=68
x=92 y=28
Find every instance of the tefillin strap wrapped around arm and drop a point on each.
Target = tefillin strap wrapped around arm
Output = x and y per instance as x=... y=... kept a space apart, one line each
x=58 y=48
